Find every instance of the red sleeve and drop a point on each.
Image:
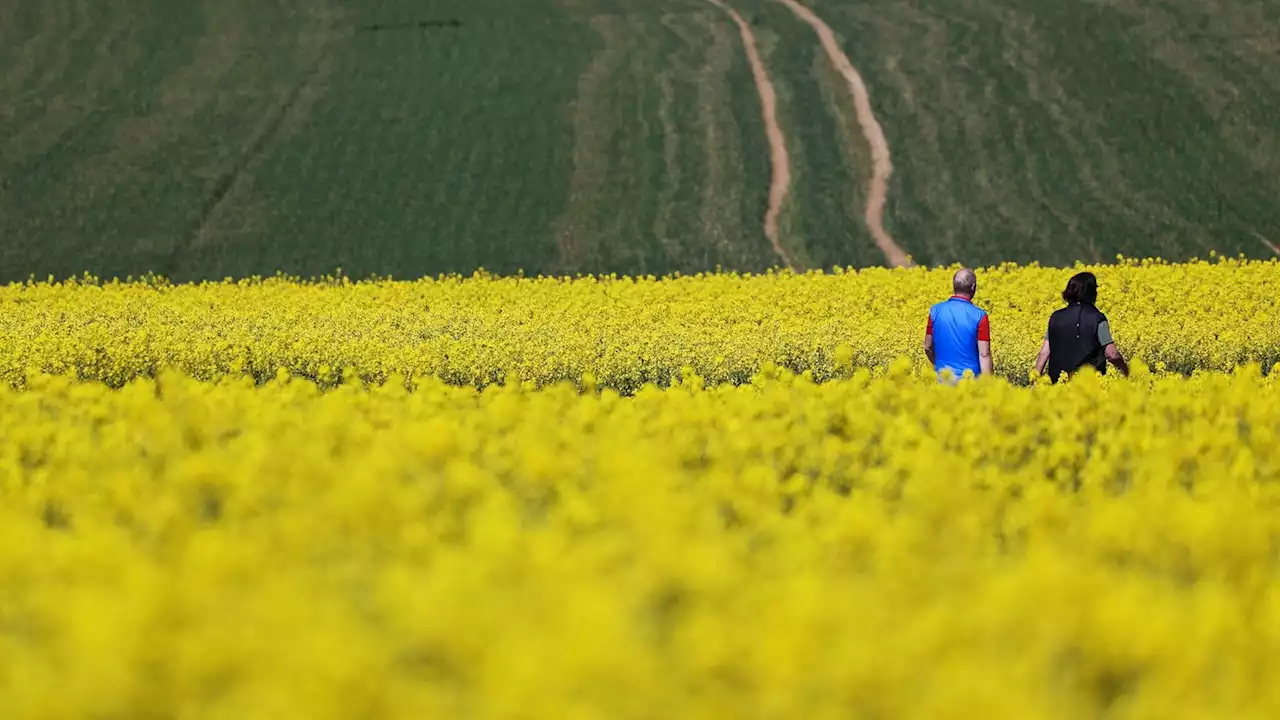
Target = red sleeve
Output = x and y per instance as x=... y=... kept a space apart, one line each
x=984 y=330
x=928 y=329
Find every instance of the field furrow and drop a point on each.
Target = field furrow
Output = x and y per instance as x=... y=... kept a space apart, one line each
x=594 y=124
x=722 y=192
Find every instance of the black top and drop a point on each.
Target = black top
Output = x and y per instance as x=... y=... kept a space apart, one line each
x=1076 y=335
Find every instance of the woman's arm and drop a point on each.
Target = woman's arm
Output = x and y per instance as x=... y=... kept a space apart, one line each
x=1117 y=359
x=1043 y=358
x=1109 y=348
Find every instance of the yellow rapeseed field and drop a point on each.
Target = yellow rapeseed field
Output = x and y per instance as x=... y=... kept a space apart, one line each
x=868 y=547
x=616 y=332
x=633 y=498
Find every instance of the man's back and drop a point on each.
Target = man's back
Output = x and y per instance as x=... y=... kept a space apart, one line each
x=957 y=326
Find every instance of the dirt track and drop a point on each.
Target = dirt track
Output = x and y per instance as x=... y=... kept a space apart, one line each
x=1274 y=248
x=882 y=164
x=780 y=184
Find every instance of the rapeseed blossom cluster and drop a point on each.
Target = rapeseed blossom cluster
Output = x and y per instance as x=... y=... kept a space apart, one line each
x=873 y=546
x=614 y=332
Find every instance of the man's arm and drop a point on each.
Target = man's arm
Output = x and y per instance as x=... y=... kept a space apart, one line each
x=984 y=345
x=928 y=344
x=1043 y=358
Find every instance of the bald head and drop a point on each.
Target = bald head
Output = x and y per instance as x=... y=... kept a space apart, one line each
x=965 y=283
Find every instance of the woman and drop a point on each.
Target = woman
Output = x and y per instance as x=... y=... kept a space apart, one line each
x=1079 y=334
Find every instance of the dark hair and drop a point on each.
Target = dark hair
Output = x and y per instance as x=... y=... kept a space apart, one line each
x=1081 y=288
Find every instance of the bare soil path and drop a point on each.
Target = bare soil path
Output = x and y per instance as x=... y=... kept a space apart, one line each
x=882 y=164
x=1274 y=248
x=780 y=184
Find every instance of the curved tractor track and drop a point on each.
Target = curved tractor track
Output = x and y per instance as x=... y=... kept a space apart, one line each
x=780 y=183
x=1270 y=245
x=881 y=160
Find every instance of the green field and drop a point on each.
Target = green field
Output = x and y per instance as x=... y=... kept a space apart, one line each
x=211 y=138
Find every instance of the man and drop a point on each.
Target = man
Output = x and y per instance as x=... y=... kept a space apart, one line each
x=958 y=336
x=1079 y=333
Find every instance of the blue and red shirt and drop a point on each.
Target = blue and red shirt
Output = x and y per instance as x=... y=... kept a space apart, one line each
x=957 y=326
